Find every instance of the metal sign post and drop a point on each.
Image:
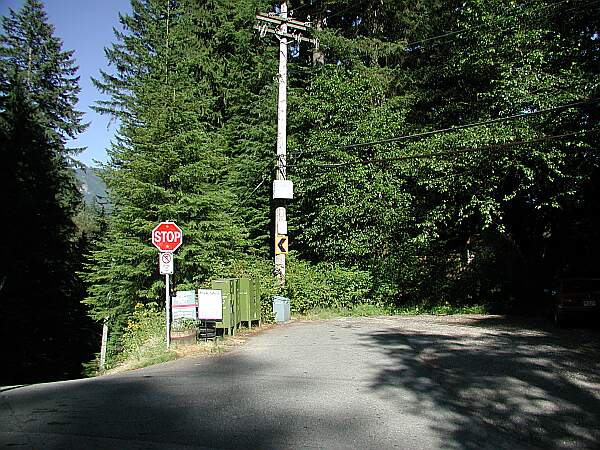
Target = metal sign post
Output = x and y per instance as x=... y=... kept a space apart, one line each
x=165 y=262
x=167 y=237
x=168 y=308
x=103 y=344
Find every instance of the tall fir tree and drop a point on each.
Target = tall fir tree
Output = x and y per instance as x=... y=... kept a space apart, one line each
x=31 y=53
x=40 y=293
x=175 y=90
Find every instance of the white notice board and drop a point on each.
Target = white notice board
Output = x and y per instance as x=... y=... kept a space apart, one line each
x=210 y=304
x=184 y=305
x=184 y=298
x=184 y=312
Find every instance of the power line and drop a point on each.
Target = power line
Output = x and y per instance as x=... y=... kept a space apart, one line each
x=298 y=8
x=359 y=3
x=440 y=36
x=247 y=197
x=473 y=124
x=524 y=115
x=455 y=152
x=305 y=5
x=316 y=152
x=463 y=30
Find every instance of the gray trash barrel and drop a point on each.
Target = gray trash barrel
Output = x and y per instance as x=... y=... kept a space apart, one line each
x=281 y=309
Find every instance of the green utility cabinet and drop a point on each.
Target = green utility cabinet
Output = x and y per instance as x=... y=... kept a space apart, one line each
x=228 y=288
x=249 y=301
x=238 y=309
x=255 y=299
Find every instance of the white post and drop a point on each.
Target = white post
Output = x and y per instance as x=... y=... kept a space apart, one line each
x=168 y=308
x=280 y=211
x=103 y=344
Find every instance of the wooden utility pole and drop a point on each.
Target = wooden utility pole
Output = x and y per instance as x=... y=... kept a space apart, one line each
x=280 y=26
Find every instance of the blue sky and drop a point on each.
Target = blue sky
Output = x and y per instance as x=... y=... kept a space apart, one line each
x=85 y=26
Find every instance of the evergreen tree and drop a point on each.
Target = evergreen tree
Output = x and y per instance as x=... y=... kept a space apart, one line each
x=30 y=52
x=177 y=93
x=40 y=294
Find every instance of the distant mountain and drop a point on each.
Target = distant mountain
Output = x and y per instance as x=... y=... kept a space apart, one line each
x=91 y=185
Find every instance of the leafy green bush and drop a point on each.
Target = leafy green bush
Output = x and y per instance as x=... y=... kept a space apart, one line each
x=325 y=285
x=145 y=334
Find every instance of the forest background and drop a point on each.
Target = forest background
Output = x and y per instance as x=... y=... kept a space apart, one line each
x=443 y=154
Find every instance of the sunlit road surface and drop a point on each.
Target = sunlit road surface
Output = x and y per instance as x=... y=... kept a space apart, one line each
x=456 y=382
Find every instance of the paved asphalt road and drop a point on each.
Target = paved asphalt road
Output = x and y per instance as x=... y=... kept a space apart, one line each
x=457 y=382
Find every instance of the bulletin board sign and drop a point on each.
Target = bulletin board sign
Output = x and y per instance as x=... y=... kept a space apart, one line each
x=184 y=312
x=210 y=305
x=183 y=305
x=184 y=298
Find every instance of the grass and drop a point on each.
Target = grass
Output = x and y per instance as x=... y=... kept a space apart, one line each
x=154 y=350
x=366 y=310
x=139 y=363
x=439 y=310
x=332 y=313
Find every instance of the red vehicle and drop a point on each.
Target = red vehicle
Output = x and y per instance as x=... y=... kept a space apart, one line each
x=576 y=298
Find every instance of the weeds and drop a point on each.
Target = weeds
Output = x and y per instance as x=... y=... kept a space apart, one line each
x=367 y=310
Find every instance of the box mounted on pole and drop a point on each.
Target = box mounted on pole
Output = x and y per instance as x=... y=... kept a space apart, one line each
x=283 y=189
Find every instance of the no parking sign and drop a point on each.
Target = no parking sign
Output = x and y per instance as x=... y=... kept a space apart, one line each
x=165 y=261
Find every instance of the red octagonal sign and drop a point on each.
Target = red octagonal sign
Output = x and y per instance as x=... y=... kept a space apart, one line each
x=167 y=236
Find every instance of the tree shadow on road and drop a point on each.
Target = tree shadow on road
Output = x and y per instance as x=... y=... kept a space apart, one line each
x=222 y=402
x=496 y=384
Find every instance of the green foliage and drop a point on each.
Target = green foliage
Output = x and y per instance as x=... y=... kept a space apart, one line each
x=362 y=310
x=325 y=285
x=144 y=337
x=174 y=160
x=442 y=309
x=414 y=223
x=437 y=222
x=370 y=310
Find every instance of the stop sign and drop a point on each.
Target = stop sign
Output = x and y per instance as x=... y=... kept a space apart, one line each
x=167 y=236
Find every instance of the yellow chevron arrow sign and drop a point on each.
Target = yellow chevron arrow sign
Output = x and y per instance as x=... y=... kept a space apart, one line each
x=281 y=244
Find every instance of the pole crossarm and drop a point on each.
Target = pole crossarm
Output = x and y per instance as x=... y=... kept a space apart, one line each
x=294 y=37
x=277 y=25
x=278 y=20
